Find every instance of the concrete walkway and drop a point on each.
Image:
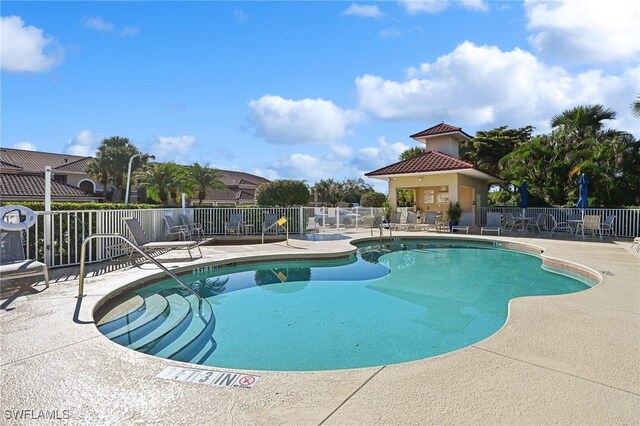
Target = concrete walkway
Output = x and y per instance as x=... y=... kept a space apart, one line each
x=570 y=359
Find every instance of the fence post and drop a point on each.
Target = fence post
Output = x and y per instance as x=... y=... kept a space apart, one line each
x=301 y=223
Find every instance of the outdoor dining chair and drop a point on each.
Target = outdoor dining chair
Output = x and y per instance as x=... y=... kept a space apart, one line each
x=173 y=231
x=590 y=224
x=607 y=225
x=558 y=226
x=540 y=223
x=234 y=225
x=194 y=228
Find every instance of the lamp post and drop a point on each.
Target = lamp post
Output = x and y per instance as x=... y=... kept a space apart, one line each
x=126 y=195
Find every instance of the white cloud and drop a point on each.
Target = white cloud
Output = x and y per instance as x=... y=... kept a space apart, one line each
x=98 y=24
x=414 y=7
x=293 y=122
x=239 y=15
x=373 y=157
x=593 y=31
x=84 y=143
x=482 y=85
x=172 y=148
x=389 y=33
x=24 y=48
x=364 y=11
x=27 y=146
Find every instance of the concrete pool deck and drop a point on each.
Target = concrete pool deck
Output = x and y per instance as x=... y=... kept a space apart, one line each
x=569 y=359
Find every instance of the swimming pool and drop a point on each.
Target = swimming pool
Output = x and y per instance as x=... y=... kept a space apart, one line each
x=391 y=302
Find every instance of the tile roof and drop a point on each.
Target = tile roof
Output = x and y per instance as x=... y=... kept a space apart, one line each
x=35 y=161
x=430 y=161
x=440 y=129
x=232 y=178
x=33 y=186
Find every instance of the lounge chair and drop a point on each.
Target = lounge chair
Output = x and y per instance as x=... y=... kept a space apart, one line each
x=194 y=228
x=607 y=225
x=173 y=231
x=13 y=262
x=269 y=220
x=429 y=221
x=494 y=223
x=412 y=221
x=234 y=225
x=636 y=240
x=558 y=226
x=466 y=221
x=140 y=239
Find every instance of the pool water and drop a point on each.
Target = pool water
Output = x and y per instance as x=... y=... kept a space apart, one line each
x=390 y=303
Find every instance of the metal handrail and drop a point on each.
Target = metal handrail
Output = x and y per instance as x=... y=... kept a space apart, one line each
x=139 y=250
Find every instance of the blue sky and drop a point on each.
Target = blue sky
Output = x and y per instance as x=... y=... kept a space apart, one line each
x=304 y=90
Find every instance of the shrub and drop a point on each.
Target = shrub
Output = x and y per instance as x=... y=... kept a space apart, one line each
x=372 y=199
x=282 y=193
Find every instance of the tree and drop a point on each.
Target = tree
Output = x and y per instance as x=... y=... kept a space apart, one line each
x=412 y=152
x=205 y=179
x=111 y=163
x=162 y=179
x=282 y=193
x=348 y=191
x=582 y=122
x=372 y=199
x=635 y=107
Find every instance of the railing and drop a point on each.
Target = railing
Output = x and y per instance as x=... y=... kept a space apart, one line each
x=139 y=250
x=626 y=224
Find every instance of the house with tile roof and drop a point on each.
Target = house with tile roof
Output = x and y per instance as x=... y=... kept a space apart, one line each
x=22 y=176
x=438 y=176
x=241 y=189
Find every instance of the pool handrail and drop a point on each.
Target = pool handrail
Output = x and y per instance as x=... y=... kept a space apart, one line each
x=139 y=250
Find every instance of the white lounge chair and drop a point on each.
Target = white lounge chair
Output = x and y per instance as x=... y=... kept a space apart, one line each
x=234 y=225
x=194 y=228
x=13 y=262
x=494 y=223
x=140 y=239
x=466 y=221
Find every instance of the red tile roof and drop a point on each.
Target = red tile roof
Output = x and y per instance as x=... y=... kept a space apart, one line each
x=440 y=129
x=430 y=161
x=35 y=161
x=28 y=186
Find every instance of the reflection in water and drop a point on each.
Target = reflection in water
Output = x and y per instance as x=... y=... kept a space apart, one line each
x=283 y=280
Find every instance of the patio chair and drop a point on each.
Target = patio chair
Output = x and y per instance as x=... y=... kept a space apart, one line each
x=636 y=240
x=429 y=222
x=607 y=225
x=140 y=239
x=194 y=228
x=396 y=222
x=494 y=223
x=590 y=223
x=234 y=225
x=540 y=223
x=466 y=221
x=173 y=231
x=442 y=224
x=13 y=262
x=558 y=226
x=269 y=220
x=508 y=222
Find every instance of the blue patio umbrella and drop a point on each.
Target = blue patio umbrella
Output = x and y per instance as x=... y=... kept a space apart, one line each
x=524 y=195
x=583 y=193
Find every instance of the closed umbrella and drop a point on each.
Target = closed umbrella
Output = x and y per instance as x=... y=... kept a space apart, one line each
x=583 y=192
x=524 y=197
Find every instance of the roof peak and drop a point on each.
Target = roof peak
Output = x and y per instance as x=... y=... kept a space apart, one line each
x=440 y=129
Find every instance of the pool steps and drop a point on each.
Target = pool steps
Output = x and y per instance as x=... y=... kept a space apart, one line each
x=175 y=326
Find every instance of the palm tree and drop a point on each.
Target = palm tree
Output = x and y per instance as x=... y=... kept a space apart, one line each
x=635 y=107
x=111 y=163
x=204 y=179
x=412 y=152
x=583 y=121
x=161 y=179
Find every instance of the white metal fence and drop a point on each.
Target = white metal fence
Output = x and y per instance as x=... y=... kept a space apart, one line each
x=625 y=225
x=57 y=237
x=68 y=229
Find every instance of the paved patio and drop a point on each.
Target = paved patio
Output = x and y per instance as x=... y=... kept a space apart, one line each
x=570 y=359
